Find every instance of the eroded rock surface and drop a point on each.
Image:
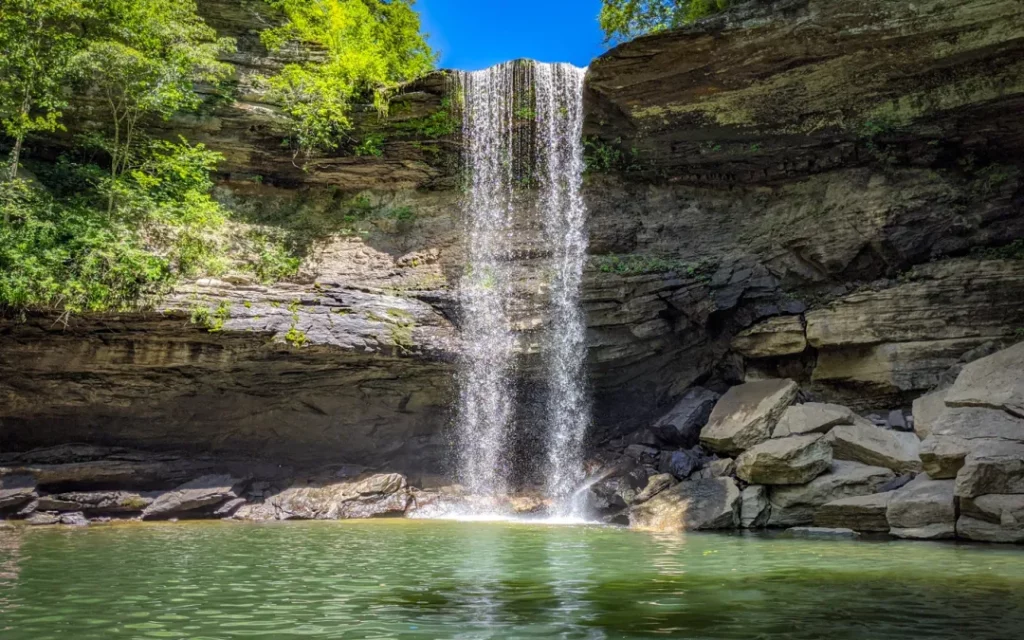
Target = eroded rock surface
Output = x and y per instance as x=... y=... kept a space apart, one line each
x=693 y=504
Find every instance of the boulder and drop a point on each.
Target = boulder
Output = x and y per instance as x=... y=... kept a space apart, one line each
x=754 y=507
x=927 y=410
x=642 y=454
x=75 y=519
x=985 y=471
x=746 y=415
x=98 y=501
x=792 y=460
x=229 y=508
x=992 y=518
x=874 y=446
x=959 y=431
x=682 y=425
x=924 y=509
x=824 y=533
x=373 y=496
x=655 y=485
x=693 y=504
x=42 y=519
x=995 y=382
x=860 y=513
x=200 y=493
x=16 y=490
x=722 y=468
x=812 y=417
x=679 y=463
x=796 y=505
x=778 y=336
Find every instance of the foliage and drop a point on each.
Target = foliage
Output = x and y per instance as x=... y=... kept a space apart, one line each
x=39 y=40
x=271 y=259
x=147 y=61
x=62 y=249
x=372 y=145
x=442 y=123
x=623 y=20
x=603 y=157
x=368 y=46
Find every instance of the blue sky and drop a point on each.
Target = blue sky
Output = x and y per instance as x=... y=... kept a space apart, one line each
x=474 y=34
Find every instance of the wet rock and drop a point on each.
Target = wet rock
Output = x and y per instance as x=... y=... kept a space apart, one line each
x=755 y=510
x=860 y=513
x=655 y=485
x=682 y=425
x=825 y=533
x=690 y=505
x=642 y=454
x=680 y=463
x=812 y=417
x=75 y=519
x=778 y=336
x=200 y=493
x=378 y=495
x=992 y=518
x=42 y=519
x=925 y=509
x=792 y=460
x=746 y=415
x=927 y=410
x=795 y=505
x=873 y=446
x=16 y=490
x=98 y=501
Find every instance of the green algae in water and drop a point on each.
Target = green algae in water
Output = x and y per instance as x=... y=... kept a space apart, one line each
x=421 y=579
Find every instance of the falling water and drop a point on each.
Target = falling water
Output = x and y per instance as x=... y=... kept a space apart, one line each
x=559 y=90
x=488 y=343
x=501 y=156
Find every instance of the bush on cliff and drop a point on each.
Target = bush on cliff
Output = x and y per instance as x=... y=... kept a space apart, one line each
x=369 y=47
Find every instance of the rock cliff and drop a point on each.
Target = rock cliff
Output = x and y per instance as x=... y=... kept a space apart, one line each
x=829 y=192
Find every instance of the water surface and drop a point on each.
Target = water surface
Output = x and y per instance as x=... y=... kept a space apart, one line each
x=430 y=579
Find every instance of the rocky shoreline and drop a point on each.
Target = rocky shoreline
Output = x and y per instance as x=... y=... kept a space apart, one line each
x=754 y=458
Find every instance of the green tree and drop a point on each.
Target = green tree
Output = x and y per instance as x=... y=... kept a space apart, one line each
x=369 y=46
x=39 y=39
x=147 y=63
x=626 y=19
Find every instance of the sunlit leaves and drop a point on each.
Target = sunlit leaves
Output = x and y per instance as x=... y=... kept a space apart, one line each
x=367 y=46
x=623 y=20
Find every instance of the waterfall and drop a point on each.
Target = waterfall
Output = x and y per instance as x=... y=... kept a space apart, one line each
x=522 y=128
x=559 y=90
x=488 y=343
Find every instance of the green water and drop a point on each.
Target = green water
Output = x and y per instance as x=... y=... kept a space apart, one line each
x=416 y=579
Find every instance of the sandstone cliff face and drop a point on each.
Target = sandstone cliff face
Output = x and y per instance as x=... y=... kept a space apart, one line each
x=824 y=191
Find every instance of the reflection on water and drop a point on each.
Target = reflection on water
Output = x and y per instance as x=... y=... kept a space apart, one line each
x=430 y=579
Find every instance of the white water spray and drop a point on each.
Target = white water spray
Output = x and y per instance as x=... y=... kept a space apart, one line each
x=499 y=158
x=559 y=90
